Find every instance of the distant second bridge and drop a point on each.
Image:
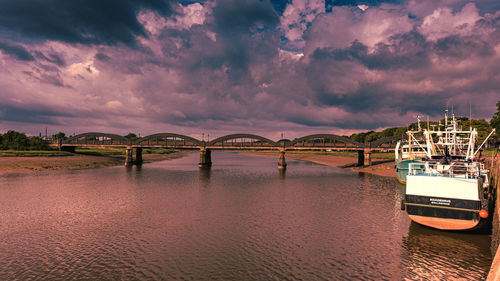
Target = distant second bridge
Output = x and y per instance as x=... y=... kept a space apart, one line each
x=318 y=142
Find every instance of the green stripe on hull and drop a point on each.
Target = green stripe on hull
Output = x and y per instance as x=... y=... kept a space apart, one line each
x=402 y=168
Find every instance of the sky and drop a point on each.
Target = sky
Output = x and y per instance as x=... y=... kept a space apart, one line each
x=265 y=67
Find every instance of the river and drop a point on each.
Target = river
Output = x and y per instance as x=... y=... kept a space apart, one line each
x=240 y=220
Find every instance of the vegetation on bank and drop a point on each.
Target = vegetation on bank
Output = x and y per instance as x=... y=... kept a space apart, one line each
x=495 y=121
x=13 y=140
x=16 y=144
x=33 y=153
x=483 y=127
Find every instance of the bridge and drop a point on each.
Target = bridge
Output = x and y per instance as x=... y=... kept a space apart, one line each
x=316 y=142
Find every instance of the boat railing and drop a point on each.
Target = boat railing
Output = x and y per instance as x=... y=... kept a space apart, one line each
x=453 y=169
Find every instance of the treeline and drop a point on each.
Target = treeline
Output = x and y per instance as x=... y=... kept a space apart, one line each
x=13 y=140
x=482 y=126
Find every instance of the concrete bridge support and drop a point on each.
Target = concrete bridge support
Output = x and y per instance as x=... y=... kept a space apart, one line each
x=205 y=158
x=282 y=161
x=129 y=160
x=365 y=157
x=138 y=156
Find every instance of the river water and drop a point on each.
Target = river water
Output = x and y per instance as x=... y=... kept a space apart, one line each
x=240 y=220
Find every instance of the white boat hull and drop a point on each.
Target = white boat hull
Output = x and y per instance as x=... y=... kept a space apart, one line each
x=442 y=202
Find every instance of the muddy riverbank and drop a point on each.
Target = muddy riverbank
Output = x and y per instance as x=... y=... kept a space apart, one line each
x=12 y=165
x=381 y=167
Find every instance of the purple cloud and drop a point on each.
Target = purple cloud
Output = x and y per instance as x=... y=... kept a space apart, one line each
x=230 y=66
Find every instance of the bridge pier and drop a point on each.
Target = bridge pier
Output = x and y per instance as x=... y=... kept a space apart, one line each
x=138 y=156
x=205 y=158
x=282 y=161
x=129 y=160
x=365 y=157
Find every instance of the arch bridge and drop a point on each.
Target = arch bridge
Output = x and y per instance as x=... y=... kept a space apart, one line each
x=318 y=142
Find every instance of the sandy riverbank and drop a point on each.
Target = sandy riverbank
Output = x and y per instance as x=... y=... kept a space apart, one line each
x=381 y=167
x=10 y=165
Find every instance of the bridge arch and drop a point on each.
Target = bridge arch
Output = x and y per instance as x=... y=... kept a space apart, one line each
x=169 y=139
x=95 y=138
x=382 y=141
x=261 y=140
x=335 y=138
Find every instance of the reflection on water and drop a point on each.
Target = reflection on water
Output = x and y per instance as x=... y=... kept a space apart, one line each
x=204 y=174
x=282 y=173
x=242 y=219
x=450 y=254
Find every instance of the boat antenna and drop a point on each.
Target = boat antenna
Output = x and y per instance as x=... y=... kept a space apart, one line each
x=427 y=122
x=470 y=117
x=418 y=122
x=446 y=118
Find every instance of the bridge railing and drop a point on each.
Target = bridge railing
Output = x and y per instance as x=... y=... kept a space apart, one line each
x=316 y=141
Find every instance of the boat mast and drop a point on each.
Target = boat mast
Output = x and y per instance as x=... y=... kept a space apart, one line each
x=492 y=131
x=470 y=147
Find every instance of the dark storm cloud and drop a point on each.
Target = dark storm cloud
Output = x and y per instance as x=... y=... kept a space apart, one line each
x=280 y=5
x=246 y=36
x=53 y=58
x=243 y=25
x=402 y=51
x=49 y=75
x=78 y=21
x=360 y=2
x=329 y=4
x=235 y=16
x=488 y=6
x=102 y=57
x=16 y=51
x=458 y=47
x=337 y=76
x=30 y=115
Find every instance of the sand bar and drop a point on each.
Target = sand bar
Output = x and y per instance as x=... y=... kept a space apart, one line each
x=381 y=167
x=11 y=165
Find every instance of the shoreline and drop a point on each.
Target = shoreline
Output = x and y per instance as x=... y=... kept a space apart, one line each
x=380 y=167
x=22 y=165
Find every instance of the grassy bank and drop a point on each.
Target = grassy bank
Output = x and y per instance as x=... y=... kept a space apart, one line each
x=33 y=153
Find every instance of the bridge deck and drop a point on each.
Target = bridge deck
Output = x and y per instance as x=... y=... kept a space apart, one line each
x=230 y=142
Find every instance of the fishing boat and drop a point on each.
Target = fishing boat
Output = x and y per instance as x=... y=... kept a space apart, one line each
x=450 y=191
x=410 y=151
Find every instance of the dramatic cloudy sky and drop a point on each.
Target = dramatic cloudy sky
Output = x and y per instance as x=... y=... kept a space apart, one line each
x=257 y=66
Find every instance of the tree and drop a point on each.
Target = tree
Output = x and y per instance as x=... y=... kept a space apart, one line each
x=132 y=137
x=60 y=135
x=15 y=141
x=36 y=143
x=495 y=121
